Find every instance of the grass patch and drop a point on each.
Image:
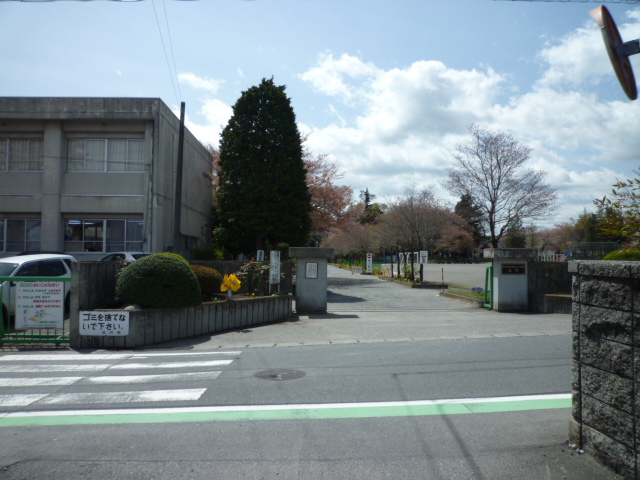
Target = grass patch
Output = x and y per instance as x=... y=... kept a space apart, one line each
x=475 y=294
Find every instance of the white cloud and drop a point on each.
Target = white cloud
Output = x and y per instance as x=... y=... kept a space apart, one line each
x=216 y=115
x=200 y=83
x=330 y=75
x=396 y=127
x=410 y=119
x=580 y=58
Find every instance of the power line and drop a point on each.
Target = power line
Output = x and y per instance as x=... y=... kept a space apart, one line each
x=173 y=57
x=164 y=48
x=547 y=1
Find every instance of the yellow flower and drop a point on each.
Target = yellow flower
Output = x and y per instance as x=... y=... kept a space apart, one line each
x=230 y=282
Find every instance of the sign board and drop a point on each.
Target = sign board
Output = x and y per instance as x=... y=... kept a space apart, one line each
x=104 y=324
x=514 y=269
x=369 y=262
x=356 y=270
x=260 y=256
x=312 y=270
x=424 y=257
x=39 y=305
x=274 y=270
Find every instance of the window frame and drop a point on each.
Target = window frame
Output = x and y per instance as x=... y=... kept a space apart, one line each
x=129 y=241
x=35 y=156
x=128 y=165
x=27 y=244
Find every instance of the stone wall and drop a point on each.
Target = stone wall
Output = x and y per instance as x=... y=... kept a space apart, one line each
x=606 y=362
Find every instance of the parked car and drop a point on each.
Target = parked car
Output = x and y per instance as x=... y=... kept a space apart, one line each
x=120 y=256
x=40 y=265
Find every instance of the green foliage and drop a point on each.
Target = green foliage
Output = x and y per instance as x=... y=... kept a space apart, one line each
x=371 y=212
x=208 y=253
x=263 y=198
x=174 y=255
x=629 y=255
x=157 y=281
x=514 y=236
x=473 y=216
x=622 y=211
x=209 y=280
x=255 y=275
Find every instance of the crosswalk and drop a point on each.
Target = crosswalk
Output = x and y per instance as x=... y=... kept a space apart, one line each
x=41 y=380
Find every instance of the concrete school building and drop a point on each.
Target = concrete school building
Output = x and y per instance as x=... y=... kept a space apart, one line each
x=87 y=176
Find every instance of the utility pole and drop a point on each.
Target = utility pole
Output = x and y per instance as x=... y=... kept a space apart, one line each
x=177 y=201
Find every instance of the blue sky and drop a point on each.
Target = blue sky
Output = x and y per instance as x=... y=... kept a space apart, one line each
x=386 y=88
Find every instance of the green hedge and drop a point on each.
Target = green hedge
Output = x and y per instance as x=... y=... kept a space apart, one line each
x=626 y=255
x=209 y=280
x=159 y=281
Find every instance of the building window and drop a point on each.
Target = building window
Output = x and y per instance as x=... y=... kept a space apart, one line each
x=105 y=155
x=103 y=235
x=21 y=154
x=19 y=235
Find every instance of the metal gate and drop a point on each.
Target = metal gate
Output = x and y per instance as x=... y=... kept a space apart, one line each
x=31 y=335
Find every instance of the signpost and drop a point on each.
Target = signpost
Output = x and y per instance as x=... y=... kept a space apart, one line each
x=260 y=256
x=618 y=51
x=274 y=270
x=369 y=262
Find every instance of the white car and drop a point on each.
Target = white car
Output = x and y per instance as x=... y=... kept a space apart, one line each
x=40 y=265
x=120 y=256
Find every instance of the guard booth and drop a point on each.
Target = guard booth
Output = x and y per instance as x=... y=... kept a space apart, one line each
x=311 y=278
x=510 y=289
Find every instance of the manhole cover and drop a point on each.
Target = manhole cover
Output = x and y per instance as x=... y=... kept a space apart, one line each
x=279 y=374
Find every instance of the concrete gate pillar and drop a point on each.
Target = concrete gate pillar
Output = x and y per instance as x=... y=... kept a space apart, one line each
x=311 y=278
x=510 y=278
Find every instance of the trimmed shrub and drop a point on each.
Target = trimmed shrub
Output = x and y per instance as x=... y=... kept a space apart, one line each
x=159 y=281
x=175 y=255
x=629 y=255
x=209 y=280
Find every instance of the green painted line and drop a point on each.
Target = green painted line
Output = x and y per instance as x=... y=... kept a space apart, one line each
x=283 y=412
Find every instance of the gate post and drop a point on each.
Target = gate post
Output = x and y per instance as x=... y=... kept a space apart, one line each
x=311 y=278
x=510 y=279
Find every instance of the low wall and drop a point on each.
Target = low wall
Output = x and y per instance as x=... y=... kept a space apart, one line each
x=606 y=362
x=550 y=303
x=548 y=277
x=155 y=325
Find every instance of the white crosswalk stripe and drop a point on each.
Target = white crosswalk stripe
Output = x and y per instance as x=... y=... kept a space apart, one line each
x=90 y=371
x=120 y=397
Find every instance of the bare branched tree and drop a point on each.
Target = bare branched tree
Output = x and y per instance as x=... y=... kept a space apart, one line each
x=491 y=170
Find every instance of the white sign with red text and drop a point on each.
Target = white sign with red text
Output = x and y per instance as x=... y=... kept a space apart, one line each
x=39 y=305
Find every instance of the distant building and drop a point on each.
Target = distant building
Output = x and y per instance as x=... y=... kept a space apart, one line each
x=88 y=176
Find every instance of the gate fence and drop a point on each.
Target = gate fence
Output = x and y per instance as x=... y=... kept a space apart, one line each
x=30 y=335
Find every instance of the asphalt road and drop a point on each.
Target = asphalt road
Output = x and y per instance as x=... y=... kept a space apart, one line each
x=390 y=383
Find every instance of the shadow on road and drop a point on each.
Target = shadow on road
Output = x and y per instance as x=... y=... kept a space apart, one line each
x=338 y=298
x=351 y=282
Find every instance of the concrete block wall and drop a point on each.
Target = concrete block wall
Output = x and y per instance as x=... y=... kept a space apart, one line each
x=155 y=325
x=606 y=362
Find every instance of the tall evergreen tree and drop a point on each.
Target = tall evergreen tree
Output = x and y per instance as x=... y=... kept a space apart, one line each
x=263 y=198
x=474 y=217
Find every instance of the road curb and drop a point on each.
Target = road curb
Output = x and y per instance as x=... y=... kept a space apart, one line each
x=462 y=298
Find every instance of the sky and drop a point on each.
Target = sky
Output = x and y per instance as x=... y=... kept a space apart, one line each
x=386 y=89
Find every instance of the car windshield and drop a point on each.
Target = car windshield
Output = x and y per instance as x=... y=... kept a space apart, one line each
x=6 y=269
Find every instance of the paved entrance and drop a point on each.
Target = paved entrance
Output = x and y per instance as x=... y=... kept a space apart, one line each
x=364 y=309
